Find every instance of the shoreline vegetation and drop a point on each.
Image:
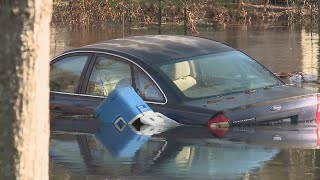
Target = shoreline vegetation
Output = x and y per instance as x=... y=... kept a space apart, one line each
x=189 y=13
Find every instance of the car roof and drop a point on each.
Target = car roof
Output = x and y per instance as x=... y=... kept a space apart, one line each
x=155 y=49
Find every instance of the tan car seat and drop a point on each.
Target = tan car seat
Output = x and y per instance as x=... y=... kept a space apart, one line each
x=180 y=74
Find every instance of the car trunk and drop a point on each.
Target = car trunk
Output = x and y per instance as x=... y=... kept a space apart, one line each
x=282 y=103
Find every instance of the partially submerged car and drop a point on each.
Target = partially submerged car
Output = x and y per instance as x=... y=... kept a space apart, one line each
x=192 y=80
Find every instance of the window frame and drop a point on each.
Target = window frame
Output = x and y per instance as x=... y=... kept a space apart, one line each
x=84 y=71
x=90 y=69
x=135 y=85
x=82 y=91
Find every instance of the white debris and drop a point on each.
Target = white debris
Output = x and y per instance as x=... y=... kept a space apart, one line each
x=155 y=118
x=148 y=130
x=302 y=78
x=309 y=78
x=297 y=78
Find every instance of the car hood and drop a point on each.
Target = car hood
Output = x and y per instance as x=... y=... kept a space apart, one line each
x=237 y=100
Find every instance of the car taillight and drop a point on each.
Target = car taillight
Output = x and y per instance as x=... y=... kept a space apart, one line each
x=318 y=110
x=220 y=121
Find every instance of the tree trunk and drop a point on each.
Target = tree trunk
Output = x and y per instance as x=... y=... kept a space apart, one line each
x=24 y=89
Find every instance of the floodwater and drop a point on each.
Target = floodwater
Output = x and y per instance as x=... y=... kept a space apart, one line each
x=89 y=150
x=280 y=50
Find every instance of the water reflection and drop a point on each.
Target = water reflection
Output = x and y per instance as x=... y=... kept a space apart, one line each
x=310 y=51
x=180 y=152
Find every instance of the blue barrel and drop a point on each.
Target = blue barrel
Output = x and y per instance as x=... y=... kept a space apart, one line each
x=123 y=106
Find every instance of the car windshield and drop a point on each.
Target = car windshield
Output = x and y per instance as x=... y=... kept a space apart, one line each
x=217 y=74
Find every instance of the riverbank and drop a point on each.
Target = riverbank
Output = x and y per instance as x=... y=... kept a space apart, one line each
x=138 y=14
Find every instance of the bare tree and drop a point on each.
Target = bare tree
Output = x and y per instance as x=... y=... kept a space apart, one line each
x=24 y=89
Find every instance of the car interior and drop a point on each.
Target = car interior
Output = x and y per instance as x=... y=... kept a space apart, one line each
x=106 y=75
x=217 y=75
x=186 y=76
x=180 y=74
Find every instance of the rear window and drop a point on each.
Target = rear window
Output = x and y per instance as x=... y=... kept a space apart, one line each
x=217 y=74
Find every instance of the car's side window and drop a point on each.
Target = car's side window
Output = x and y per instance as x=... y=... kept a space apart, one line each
x=65 y=73
x=145 y=86
x=107 y=74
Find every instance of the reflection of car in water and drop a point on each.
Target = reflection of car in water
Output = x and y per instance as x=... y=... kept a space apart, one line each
x=215 y=159
x=189 y=79
x=283 y=136
x=180 y=152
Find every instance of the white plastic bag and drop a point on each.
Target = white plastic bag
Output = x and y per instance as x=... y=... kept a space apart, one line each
x=297 y=78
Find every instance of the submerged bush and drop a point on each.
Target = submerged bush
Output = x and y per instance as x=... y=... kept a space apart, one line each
x=210 y=12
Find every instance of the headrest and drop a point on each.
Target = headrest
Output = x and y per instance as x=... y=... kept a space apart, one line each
x=178 y=70
x=103 y=64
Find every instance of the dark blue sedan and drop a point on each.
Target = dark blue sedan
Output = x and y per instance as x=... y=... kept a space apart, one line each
x=192 y=80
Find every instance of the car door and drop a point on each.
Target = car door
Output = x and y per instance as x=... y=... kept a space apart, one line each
x=66 y=76
x=108 y=72
x=104 y=74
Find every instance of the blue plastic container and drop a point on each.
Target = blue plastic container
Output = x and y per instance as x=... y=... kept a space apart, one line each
x=122 y=144
x=123 y=106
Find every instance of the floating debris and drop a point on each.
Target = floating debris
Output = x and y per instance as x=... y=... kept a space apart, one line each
x=282 y=74
x=298 y=77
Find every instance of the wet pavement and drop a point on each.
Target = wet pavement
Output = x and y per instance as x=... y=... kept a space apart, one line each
x=85 y=149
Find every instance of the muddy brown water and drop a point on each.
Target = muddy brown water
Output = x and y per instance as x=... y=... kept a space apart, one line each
x=267 y=152
x=281 y=50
